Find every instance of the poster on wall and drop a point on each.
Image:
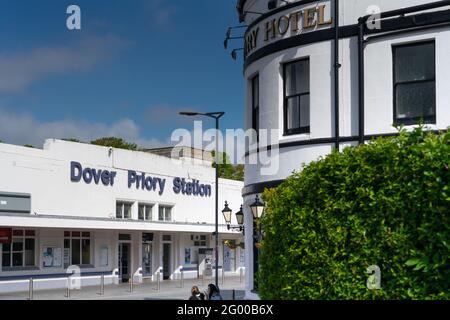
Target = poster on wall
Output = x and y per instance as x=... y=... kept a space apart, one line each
x=51 y=257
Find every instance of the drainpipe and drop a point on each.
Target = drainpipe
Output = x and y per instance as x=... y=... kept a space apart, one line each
x=361 y=74
x=337 y=65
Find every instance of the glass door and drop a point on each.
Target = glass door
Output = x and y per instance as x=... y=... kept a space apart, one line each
x=166 y=261
x=146 y=259
x=124 y=262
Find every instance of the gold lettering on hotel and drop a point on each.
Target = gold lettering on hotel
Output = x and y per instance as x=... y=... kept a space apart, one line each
x=291 y=24
x=322 y=21
x=309 y=18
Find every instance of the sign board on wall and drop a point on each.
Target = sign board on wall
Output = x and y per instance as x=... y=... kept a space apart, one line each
x=5 y=236
x=51 y=257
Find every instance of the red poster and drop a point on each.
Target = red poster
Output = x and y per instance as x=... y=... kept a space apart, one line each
x=5 y=236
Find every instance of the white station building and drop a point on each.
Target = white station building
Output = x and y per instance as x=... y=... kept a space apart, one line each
x=323 y=88
x=90 y=210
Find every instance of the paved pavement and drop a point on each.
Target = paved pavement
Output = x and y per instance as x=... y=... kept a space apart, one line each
x=170 y=290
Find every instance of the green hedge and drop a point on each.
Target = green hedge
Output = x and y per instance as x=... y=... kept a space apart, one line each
x=386 y=203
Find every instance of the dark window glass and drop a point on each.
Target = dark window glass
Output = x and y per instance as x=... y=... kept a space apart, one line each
x=6 y=259
x=414 y=83
x=76 y=258
x=76 y=234
x=297 y=97
x=29 y=252
x=86 y=251
x=255 y=103
x=17 y=244
x=17 y=259
x=30 y=233
x=17 y=233
x=124 y=237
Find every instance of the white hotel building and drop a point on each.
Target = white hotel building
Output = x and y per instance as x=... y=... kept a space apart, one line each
x=386 y=64
x=111 y=212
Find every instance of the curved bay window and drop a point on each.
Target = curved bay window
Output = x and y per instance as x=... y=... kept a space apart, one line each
x=414 y=83
x=296 y=97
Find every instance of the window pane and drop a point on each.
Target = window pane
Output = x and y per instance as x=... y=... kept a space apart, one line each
x=76 y=234
x=17 y=244
x=86 y=251
x=6 y=247
x=119 y=210
x=29 y=252
x=76 y=251
x=415 y=100
x=6 y=259
x=415 y=62
x=18 y=233
x=67 y=234
x=30 y=233
x=297 y=77
x=293 y=113
x=148 y=213
x=127 y=211
x=161 y=213
x=141 y=212
x=168 y=214
x=17 y=259
x=304 y=111
x=255 y=92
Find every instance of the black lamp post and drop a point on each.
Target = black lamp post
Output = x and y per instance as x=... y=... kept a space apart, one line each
x=216 y=116
x=257 y=208
x=239 y=217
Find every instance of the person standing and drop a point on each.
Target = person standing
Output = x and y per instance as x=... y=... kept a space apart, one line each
x=213 y=292
x=196 y=294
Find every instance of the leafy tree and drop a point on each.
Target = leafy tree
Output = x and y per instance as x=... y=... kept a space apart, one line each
x=226 y=169
x=115 y=143
x=72 y=140
x=386 y=203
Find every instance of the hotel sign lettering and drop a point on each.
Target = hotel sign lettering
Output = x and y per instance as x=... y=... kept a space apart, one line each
x=287 y=25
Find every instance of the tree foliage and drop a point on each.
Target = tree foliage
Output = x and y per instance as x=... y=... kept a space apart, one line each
x=386 y=203
x=115 y=143
x=226 y=169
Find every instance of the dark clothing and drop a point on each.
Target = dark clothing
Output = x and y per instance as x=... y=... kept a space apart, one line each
x=199 y=296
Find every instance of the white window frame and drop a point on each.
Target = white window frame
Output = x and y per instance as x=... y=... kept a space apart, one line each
x=146 y=205
x=165 y=206
x=11 y=251
x=122 y=204
x=81 y=237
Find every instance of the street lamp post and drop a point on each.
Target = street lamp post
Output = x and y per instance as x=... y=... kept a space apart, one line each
x=257 y=209
x=216 y=116
x=239 y=218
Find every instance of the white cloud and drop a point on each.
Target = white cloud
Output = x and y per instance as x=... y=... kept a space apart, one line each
x=23 y=129
x=20 y=69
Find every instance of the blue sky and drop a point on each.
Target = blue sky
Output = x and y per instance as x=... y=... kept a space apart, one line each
x=127 y=72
